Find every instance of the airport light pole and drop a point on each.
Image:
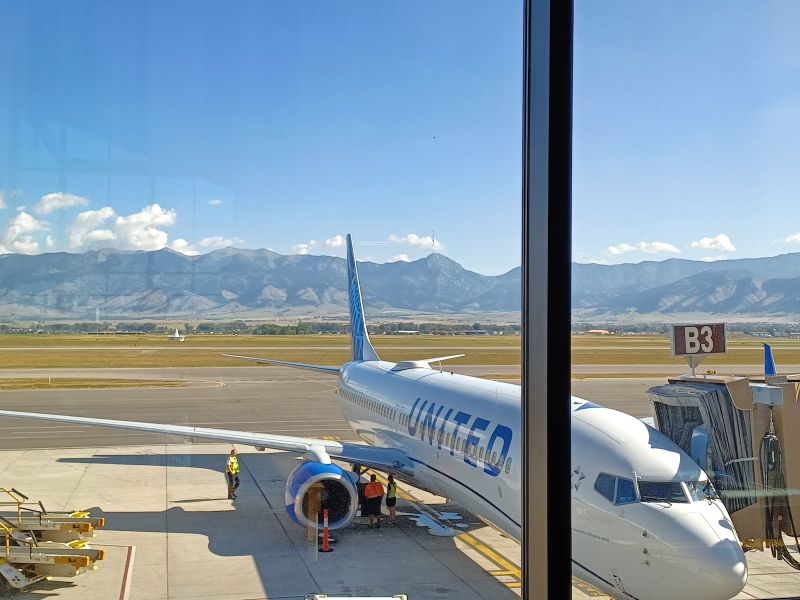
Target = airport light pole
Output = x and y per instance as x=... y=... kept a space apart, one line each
x=546 y=275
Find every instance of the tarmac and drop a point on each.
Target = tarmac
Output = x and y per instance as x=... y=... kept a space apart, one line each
x=172 y=534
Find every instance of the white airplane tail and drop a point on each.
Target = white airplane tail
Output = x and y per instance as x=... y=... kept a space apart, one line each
x=359 y=338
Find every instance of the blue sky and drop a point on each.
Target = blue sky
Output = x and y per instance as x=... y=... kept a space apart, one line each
x=265 y=124
x=288 y=124
x=687 y=121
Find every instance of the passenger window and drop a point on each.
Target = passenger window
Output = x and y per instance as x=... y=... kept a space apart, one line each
x=604 y=485
x=626 y=492
x=508 y=465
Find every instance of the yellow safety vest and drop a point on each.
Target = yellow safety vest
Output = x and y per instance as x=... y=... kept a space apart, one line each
x=391 y=490
x=233 y=465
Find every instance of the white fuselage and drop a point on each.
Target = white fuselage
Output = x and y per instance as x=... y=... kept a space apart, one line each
x=464 y=437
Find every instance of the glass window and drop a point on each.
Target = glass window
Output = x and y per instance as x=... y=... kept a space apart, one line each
x=605 y=484
x=626 y=491
x=662 y=491
x=701 y=490
x=192 y=158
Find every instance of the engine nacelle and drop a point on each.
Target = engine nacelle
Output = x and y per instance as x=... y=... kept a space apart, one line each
x=340 y=495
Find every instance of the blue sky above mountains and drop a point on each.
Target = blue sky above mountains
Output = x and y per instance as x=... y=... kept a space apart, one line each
x=197 y=125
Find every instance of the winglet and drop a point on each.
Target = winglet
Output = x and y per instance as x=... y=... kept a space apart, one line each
x=359 y=338
x=769 y=362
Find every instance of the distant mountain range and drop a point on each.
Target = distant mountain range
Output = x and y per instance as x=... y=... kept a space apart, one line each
x=233 y=283
x=675 y=289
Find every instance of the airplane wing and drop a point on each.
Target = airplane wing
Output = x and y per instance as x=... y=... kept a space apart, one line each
x=286 y=363
x=385 y=459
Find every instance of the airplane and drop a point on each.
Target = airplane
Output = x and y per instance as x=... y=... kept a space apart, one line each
x=646 y=521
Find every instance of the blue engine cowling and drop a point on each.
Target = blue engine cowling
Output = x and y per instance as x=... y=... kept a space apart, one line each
x=340 y=495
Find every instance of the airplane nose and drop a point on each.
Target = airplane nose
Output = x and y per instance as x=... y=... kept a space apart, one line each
x=703 y=558
x=725 y=572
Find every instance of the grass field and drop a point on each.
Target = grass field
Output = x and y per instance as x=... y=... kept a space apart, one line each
x=73 y=351
x=634 y=350
x=68 y=383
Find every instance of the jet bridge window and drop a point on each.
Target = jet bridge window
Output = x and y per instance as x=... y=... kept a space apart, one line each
x=662 y=491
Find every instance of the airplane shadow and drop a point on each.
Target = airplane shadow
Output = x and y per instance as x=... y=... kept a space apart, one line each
x=256 y=525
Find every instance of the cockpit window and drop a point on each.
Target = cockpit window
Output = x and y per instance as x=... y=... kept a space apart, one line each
x=662 y=491
x=701 y=490
x=605 y=485
x=626 y=491
x=618 y=490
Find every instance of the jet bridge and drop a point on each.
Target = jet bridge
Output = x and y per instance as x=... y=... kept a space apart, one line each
x=37 y=544
x=745 y=433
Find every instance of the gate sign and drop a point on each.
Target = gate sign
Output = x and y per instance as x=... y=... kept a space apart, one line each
x=698 y=340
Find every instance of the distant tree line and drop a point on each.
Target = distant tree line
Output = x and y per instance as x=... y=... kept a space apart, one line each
x=240 y=327
x=752 y=329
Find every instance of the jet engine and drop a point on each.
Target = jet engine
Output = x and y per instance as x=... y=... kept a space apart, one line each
x=338 y=494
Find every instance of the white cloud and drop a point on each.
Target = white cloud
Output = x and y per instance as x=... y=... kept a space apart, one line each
x=793 y=239
x=217 y=241
x=140 y=231
x=18 y=236
x=50 y=242
x=412 y=239
x=721 y=243
x=86 y=229
x=399 y=258
x=620 y=249
x=184 y=247
x=713 y=258
x=214 y=202
x=58 y=200
x=646 y=247
x=7 y=196
x=208 y=243
x=658 y=248
x=24 y=244
x=304 y=247
x=595 y=261
x=336 y=241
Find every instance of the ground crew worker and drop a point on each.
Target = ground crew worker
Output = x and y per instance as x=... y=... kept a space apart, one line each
x=391 y=499
x=374 y=493
x=232 y=473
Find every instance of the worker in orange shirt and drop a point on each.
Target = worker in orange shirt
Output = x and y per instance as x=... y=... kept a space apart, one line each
x=374 y=494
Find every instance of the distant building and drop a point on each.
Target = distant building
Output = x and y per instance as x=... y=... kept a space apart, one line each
x=176 y=337
x=599 y=332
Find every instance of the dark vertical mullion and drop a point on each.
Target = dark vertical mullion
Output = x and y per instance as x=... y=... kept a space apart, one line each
x=546 y=271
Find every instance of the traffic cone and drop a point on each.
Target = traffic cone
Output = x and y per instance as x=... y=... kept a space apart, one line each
x=326 y=546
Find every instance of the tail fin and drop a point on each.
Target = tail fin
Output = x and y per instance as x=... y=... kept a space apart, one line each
x=359 y=338
x=769 y=362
